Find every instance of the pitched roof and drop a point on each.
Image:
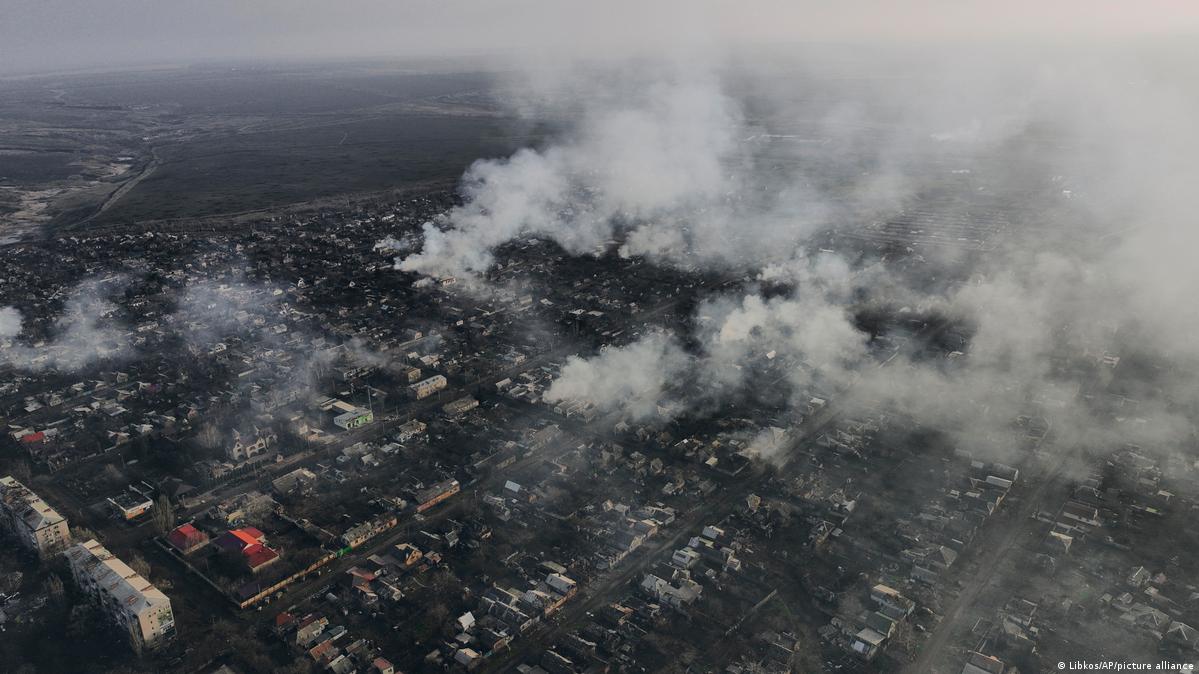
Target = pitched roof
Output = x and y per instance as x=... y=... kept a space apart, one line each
x=186 y=536
x=249 y=535
x=258 y=555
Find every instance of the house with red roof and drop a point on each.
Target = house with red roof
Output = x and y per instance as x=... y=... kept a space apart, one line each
x=187 y=539
x=258 y=557
x=283 y=622
x=250 y=544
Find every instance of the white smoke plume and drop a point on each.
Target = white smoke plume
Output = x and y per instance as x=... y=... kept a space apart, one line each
x=1089 y=152
x=633 y=379
x=662 y=157
x=10 y=322
x=738 y=339
x=84 y=332
x=667 y=166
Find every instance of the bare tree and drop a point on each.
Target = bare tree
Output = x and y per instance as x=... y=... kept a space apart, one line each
x=82 y=533
x=209 y=436
x=164 y=515
x=139 y=564
x=54 y=588
x=438 y=612
x=112 y=475
x=81 y=621
x=20 y=470
x=135 y=636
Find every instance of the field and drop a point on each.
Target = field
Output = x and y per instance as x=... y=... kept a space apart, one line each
x=136 y=147
x=266 y=169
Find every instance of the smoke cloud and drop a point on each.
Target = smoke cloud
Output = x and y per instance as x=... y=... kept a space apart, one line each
x=658 y=168
x=10 y=322
x=1044 y=212
x=634 y=380
x=84 y=332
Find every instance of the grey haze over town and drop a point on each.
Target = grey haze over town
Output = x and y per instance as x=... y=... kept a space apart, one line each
x=561 y=338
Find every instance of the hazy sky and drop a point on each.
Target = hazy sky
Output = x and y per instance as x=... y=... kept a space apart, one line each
x=40 y=35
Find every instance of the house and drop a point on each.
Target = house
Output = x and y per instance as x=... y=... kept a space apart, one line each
x=977 y=663
x=410 y=430
x=187 y=539
x=881 y=623
x=250 y=544
x=1148 y=618
x=361 y=533
x=929 y=563
x=297 y=480
x=341 y=665
x=1139 y=577
x=353 y=418
x=408 y=555
x=427 y=387
x=468 y=657
x=460 y=406
x=891 y=602
x=431 y=496
x=685 y=558
x=244 y=448
x=284 y=621
x=1182 y=635
x=866 y=643
x=494 y=640
x=310 y=627
x=131 y=503
x=678 y=597
x=561 y=584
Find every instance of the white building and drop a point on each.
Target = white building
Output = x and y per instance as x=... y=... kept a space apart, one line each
x=125 y=597
x=38 y=526
x=460 y=406
x=427 y=387
x=244 y=448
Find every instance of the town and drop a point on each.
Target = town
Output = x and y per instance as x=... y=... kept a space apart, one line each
x=262 y=448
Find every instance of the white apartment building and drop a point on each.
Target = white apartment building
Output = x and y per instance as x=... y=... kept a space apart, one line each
x=38 y=526
x=128 y=599
x=427 y=387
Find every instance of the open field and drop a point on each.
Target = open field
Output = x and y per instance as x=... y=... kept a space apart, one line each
x=123 y=148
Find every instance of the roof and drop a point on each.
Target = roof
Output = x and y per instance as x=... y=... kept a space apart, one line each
x=871 y=637
x=258 y=555
x=361 y=573
x=977 y=663
x=1182 y=632
x=186 y=536
x=27 y=506
x=115 y=578
x=240 y=539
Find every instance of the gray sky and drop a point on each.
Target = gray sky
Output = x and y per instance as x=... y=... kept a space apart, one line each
x=37 y=35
